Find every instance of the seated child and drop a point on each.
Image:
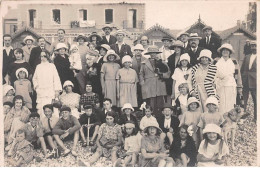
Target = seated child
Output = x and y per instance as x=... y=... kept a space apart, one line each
x=107 y=106
x=90 y=124
x=126 y=115
x=8 y=93
x=148 y=117
x=89 y=97
x=182 y=100
x=75 y=59
x=212 y=116
x=168 y=123
x=67 y=128
x=213 y=149
x=21 y=151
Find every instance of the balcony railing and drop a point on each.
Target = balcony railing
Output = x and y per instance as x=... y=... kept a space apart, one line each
x=139 y=24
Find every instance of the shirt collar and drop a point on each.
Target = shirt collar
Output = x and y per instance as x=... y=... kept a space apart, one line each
x=6 y=48
x=122 y=43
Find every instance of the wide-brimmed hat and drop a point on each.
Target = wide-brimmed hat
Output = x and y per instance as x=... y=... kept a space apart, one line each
x=194 y=36
x=82 y=36
x=130 y=124
x=152 y=49
x=152 y=124
x=94 y=34
x=111 y=52
x=60 y=46
x=127 y=106
x=107 y=26
x=138 y=47
x=105 y=46
x=120 y=32
x=178 y=43
x=183 y=33
x=212 y=128
x=226 y=46
x=212 y=100
x=6 y=88
x=185 y=56
x=126 y=58
x=19 y=70
x=167 y=38
x=207 y=28
x=167 y=105
x=193 y=100
x=67 y=83
x=29 y=37
x=205 y=53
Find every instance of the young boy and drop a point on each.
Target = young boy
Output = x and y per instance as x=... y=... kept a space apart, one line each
x=107 y=106
x=89 y=120
x=67 y=128
x=89 y=96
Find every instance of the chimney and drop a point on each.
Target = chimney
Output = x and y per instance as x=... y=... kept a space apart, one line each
x=238 y=23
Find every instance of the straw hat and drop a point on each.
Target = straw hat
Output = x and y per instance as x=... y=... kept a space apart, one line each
x=94 y=34
x=126 y=58
x=178 y=43
x=205 y=53
x=130 y=125
x=138 y=47
x=194 y=36
x=185 y=56
x=207 y=28
x=28 y=37
x=152 y=49
x=184 y=33
x=68 y=83
x=226 y=46
x=105 y=46
x=111 y=52
x=107 y=26
x=153 y=124
x=212 y=128
x=6 y=88
x=120 y=32
x=193 y=100
x=19 y=70
x=212 y=100
x=60 y=46
x=127 y=106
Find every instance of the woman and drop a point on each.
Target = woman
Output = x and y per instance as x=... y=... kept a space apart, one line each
x=95 y=39
x=229 y=82
x=28 y=41
x=70 y=98
x=46 y=82
x=83 y=48
x=183 y=149
x=145 y=43
x=153 y=153
x=203 y=78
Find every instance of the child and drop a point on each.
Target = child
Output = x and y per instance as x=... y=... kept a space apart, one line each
x=6 y=107
x=107 y=106
x=212 y=116
x=21 y=151
x=75 y=59
x=23 y=86
x=168 y=123
x=89 y=125
x=213 y=150
x=182 y=100
x=132 y=146
x=145 y=121
x=67 y=128
x=192 y=118
x=9 y=93
x=182 y=74
x=127 y=109
x=126 y=83
x=108 y=76
x=89 y=96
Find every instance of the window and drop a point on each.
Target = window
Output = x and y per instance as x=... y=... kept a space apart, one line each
x=132 y=18
x=83 y=14
x=109 y=16
x=32 y=16
x=56 y=16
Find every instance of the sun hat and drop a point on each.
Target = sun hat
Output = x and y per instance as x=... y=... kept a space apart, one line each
x=212 y=100
x=194 y=36
x=205 y=53
x=105 y=46
x=178 y=43
x=207 y=28
x=126 y=58
x=226 y=46
x=19 y=70
x=167 y=105
x=193 y=100
x=120 y=32
x=152 y=124
x=61 y=45
x=28 y=37
x=167 y=38
x=185 y=56
x=68 y=83
x=183 y=33
x=107 y=26
x=111 y=52
x=65 y=108
x=82 y=36
x=6 y=88
x=74 y=46
x=127 y=106
x=138 y=47
x=212 y=128
x=129 y=124
x=152 y=49
x=94 y=34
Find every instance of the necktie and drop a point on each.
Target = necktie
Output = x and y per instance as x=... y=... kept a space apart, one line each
x=49 y=123
x=207 y=40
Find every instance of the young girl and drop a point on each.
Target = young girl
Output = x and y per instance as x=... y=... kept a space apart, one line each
x=9 y=93
x=127 y=115
x=126 y=83
x=181 y=75
x=182 y=99
x=213 y=150
x=21 y=151
x=145 y=121
x=212 y=116
x=192 y=118
x=23 y=86
x=75 y=59
x=108 y=76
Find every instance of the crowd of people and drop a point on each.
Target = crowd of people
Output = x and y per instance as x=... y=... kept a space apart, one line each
x=139 y=105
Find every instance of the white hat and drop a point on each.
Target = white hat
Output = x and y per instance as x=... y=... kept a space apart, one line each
x=68 y=83
x=193 y=100
x=105 y=46
x=127 y=106
x=194 y=36
x=28 y=37
x=111 y=52
x=61 y=45
x=129 y=125
x=211 y=99
x=152 y=123
x=205 y=53
x=227 y=46
x=185 y=56
x=74 y=46
x=6 y=88
x=120 y=32
x=212 y=128
x=138 y=47
x=19 y=70
x=126 y=58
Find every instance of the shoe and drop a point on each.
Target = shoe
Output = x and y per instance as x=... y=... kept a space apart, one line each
x=65 y=153
x=84 y=144
x=74 y=153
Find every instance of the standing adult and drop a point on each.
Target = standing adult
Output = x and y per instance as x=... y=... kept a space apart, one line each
x=95 y=39
x=248 y=72
x=61 y=39
x=145 y=43
x=184 y=37
x=152 y=74
x=194 y=50
x=8 y=55
x=83 y=48
x=27 y=49
x=165 y=49
x=108 y=39
x=247 y=48
x=210 y=42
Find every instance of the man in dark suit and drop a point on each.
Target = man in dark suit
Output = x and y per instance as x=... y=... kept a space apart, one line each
x=120 y=47
x=248 y=74
x=8 y=55
x=184 y=37
x=108 y=39
x=210 y=42
x=194 y=50
x=35 y=57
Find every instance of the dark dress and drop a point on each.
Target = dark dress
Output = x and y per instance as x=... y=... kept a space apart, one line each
x=7 y=60
x=15 y=66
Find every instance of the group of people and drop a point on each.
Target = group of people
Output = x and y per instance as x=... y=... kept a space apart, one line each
x=140 y=105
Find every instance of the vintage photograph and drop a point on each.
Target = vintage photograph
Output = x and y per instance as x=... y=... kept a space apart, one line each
x=129 y=83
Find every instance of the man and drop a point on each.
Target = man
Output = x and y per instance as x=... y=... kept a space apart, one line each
x=108 y=39
x=27 y=48
x=184 y=37
x=8 y=55
x=61 y=39
x=247 y=48
x=248 y=74
x=120 y=47
x=194 y=50
x=210 y=42
x=165 y=49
